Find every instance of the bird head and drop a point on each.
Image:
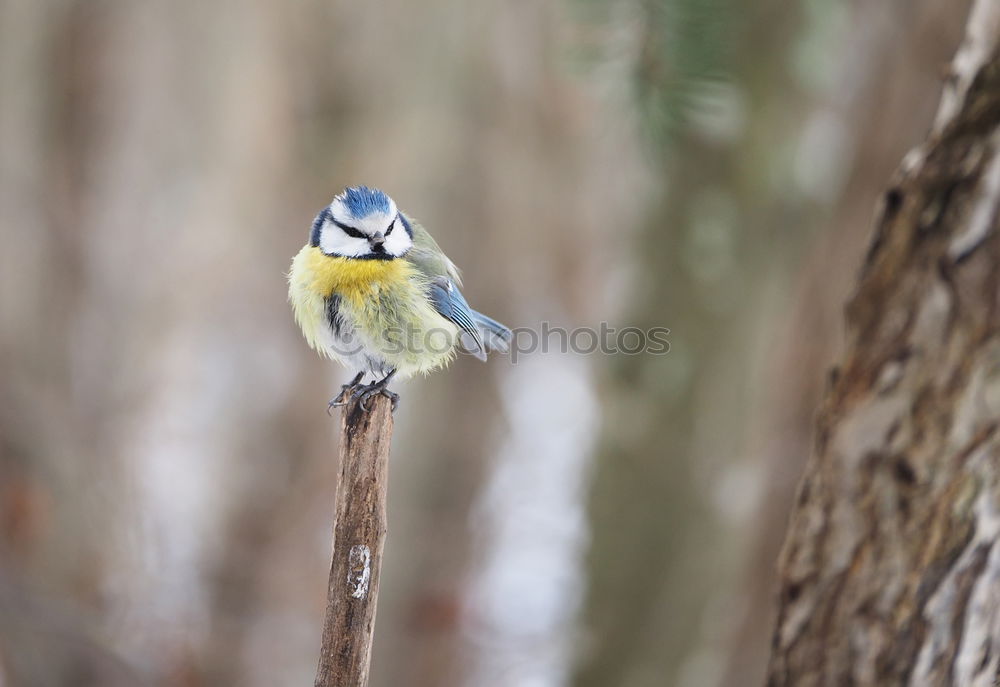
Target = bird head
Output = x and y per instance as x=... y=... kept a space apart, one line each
x=362 y=223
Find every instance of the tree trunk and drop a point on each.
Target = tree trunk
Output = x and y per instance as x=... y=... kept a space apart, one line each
x=889 y=572
x=905 y=45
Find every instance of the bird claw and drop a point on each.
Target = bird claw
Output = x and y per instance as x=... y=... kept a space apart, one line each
x=368 y=395
x=341 y=399
x=368 y=391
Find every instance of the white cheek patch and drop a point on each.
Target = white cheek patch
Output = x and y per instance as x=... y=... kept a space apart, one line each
x=333 y=241
x=398 y=242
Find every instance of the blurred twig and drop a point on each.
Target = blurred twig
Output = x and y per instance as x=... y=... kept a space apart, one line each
x=358 y=538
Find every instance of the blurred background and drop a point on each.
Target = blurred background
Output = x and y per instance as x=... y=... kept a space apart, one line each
x=167 y=467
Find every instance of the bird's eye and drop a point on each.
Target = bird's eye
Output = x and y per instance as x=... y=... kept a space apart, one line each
x=350 y=231
x=391 y=227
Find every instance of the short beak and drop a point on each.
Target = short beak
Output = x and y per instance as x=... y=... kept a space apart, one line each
x=377 y=239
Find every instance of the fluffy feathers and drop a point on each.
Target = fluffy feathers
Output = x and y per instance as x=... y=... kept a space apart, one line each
x=373 y=290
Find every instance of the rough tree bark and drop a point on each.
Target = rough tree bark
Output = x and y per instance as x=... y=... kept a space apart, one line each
x=890 y=572
x=904 y=43
x=358 y=539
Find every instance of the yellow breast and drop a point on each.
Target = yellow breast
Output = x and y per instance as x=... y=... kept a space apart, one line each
x=350 y=278
x=384 y=301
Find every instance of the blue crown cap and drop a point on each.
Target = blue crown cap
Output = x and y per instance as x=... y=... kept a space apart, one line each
x=363 y=201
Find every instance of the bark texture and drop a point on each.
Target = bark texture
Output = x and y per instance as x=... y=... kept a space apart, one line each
x=890 y=573
x=904 y=44
x=358 y=539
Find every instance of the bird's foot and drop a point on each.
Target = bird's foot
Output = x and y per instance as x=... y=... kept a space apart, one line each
x=346 y=391
x=380 y=388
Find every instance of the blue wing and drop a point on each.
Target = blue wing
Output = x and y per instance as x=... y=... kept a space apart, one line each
x=450 y=302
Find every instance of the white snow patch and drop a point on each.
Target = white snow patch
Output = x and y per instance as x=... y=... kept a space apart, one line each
x=359 y=574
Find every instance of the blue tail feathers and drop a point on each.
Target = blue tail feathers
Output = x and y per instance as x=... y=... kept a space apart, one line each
x=495 y=335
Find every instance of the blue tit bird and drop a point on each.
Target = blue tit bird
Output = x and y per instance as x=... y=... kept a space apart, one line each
x=373 y=291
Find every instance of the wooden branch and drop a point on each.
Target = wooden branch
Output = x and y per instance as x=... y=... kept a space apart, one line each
x=358 y=538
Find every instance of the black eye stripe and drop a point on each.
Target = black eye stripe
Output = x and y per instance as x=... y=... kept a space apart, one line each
x=392 y=225
x=350 y=231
